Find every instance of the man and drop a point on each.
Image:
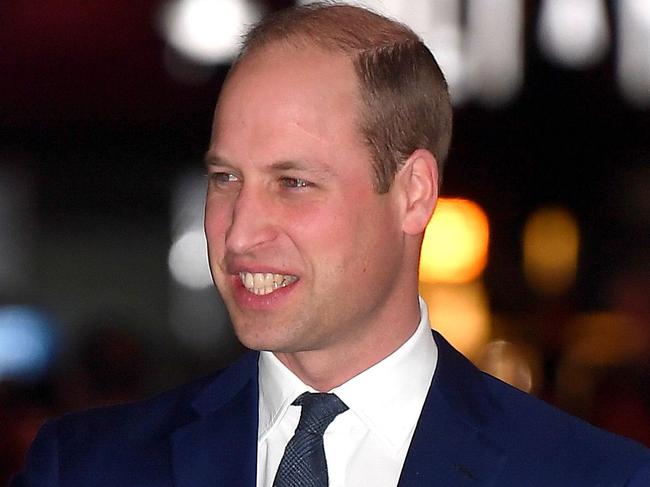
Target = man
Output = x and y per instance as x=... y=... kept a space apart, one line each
x=324 y=165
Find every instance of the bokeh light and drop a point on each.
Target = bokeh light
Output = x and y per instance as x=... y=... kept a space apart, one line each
x=551 y=242
x=460 y=312
x=455 y=243
x=188 y=260
x=188 y=253
x=197 y=315
x=495 y=49
x=597 y=342
x=575 y=33
x=633 y=60
x=439 y=23
x=27 y=343
x=606 y=338
x=207 y=31
x=508 y=362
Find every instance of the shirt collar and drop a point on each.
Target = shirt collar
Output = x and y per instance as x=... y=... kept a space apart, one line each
x=399 y=382
x=279 y=387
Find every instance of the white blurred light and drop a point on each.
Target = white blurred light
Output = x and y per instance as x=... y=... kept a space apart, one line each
x=574 y=32
x=188 y=255
x=495 y=49
x=188 y=260
x=208 y=31
x=439 y=24
x=198 y=318
x=27 y=343
x=633 y=69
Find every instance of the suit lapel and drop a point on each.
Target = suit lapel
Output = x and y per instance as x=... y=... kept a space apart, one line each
x=219 y=447
x=448 y=447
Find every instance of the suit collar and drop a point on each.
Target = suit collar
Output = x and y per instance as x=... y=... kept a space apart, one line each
x=448 y=446
x=462 y=385
x=219 y=446
x=227 y=384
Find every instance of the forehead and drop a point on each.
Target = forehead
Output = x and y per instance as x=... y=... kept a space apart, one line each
x=282 y=91
x=298 y=66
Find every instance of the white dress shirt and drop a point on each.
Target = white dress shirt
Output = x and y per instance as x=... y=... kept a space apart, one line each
x=367 y=444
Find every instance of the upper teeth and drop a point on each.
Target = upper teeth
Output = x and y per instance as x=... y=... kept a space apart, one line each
x=265 y=283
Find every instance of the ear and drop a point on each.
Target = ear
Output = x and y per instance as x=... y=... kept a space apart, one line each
x=418 y=184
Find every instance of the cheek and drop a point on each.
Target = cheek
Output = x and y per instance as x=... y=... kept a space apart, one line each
x=317 y=232
x=335 y=234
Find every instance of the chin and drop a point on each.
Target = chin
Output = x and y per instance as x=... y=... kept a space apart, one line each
x=252 y=338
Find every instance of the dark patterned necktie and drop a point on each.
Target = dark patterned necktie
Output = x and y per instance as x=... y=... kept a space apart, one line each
x=303 y=463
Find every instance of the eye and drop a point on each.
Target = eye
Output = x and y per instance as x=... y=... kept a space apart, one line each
x=222 y=178
x=288 y=182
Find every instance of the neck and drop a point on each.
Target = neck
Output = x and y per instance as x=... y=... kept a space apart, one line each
x=326 y=369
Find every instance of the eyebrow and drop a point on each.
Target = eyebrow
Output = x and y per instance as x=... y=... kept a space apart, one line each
x=301 y=166
x=209 y=159
x=283 y=165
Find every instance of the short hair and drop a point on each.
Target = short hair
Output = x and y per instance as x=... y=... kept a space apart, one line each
x=405 y=100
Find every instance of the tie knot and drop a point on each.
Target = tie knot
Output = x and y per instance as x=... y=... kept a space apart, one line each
x=318 y=411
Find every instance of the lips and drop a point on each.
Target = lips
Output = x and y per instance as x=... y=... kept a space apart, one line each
x=263 y=283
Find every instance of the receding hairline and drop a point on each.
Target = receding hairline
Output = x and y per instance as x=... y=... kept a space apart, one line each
x=330 y=26
x=404 y=100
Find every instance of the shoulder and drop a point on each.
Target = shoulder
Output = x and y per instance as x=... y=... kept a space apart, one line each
x=538 y=435
x=535 y=439
x=158 y=415
x=522 y=413
x=129 y=438
x=166 y=410
x=83 y=432
x=131 y=419
x=70 y=450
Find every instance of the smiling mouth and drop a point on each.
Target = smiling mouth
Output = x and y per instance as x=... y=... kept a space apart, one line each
x=261 y=283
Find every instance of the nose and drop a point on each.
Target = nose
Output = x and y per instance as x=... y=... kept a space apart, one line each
x=252 y=224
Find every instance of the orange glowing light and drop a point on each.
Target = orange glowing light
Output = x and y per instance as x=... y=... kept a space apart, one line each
x=455 y=242
x=460 y=312
x=551 y=242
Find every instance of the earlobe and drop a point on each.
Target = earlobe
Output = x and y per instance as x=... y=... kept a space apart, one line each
x=418 y=179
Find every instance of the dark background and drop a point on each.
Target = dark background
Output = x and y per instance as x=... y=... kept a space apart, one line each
x=88 y=107
x=99 y=132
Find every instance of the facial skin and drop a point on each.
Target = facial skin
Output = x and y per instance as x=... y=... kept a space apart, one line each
x=291 y=195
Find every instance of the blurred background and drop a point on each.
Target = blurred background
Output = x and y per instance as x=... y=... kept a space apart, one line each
x=536 y=264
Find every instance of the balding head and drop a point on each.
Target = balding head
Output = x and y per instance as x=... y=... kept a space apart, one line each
x=405 y=102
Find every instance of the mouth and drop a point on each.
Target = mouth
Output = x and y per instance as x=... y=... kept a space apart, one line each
x=263 y=283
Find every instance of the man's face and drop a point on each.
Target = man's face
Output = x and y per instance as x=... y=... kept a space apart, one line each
x=305 y=253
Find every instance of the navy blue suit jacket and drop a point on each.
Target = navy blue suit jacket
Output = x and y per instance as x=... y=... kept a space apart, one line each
x=473 y=431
